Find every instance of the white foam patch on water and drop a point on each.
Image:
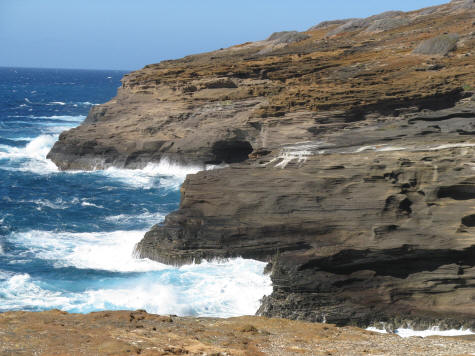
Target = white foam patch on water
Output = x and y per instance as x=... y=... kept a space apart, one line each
x=147 y=177
x=237 y=286
x=211 y=289
x=57 y=204
x=110 y=251
x=434 y=331
x=18 y=292
x=86 y=203
x=34 y=155
x=146 y=218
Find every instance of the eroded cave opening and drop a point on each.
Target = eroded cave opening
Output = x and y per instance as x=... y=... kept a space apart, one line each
x=457 y=192
x=469 y=220
x=231 y=151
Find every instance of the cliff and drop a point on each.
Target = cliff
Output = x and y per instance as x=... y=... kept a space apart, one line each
x=350 y=158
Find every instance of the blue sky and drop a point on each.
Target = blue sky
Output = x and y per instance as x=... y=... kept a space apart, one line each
x=128 y=34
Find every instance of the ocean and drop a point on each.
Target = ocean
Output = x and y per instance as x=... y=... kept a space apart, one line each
x=67 y=238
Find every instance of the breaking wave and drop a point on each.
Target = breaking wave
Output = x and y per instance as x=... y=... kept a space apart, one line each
x=32 y=157
x=211 y=289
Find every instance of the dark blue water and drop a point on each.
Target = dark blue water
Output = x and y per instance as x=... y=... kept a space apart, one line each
x=66 y=238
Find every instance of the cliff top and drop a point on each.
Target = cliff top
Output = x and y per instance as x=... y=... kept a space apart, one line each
x=136 y=332
x=381 y=61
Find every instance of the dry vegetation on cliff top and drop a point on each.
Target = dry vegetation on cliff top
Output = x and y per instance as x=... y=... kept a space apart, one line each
x=381 y=62
x=139 y=333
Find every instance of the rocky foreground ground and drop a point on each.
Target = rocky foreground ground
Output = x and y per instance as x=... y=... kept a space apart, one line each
x=138 y=333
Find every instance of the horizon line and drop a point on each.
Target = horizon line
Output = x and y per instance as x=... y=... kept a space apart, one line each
x=63 y=68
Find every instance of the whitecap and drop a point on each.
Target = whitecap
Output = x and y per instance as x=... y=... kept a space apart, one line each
x=86 y=203
x=57 y=103
x=20 y=292
x=434 y=331
x=144 y=218
x=225 y=289
x=57 y=204
x=35 y=155
x=148 y=177
x=110 y=251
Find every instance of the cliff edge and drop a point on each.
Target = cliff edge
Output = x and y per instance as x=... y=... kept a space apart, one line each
x=350 y=163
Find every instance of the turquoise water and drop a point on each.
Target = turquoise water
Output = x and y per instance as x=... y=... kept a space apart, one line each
x=66 y=238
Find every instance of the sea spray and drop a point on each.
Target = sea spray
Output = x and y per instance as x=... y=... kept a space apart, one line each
x=68 y=237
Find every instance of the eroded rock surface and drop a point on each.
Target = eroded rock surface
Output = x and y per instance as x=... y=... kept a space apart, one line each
x=350 y=164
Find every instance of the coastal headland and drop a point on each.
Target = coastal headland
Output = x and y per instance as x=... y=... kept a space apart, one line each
x=346 y=160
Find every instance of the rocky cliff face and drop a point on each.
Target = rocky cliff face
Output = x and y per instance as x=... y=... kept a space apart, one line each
x=350 y=163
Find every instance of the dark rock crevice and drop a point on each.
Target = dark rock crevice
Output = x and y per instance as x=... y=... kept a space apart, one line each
x=399 y=262
x=230 y=151
x=457 y=192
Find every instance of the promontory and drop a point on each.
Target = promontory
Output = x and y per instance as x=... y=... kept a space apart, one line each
x=345 y=158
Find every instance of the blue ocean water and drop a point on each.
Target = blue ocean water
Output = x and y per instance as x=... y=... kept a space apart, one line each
x=66 y=238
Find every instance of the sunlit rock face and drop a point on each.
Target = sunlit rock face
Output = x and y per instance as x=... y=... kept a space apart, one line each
x=349 y=163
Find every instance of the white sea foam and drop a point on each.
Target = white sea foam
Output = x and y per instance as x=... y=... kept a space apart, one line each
x=57 y=204
x=111 y=251
x=34 y=155
x=86 y=203
x=19 y=291
x=144 y=218
x=210 y=289
x=238 y=286
x=57 y=103
x=434 y=331
x=376 y=330
x=147 y=177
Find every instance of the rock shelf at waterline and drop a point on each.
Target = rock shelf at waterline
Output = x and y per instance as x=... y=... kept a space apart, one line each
x=349 y=154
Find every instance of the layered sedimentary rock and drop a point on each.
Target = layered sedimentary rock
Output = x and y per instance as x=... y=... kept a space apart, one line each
x=350 y=156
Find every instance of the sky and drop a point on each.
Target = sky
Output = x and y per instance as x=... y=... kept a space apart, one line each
x=128 y=34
